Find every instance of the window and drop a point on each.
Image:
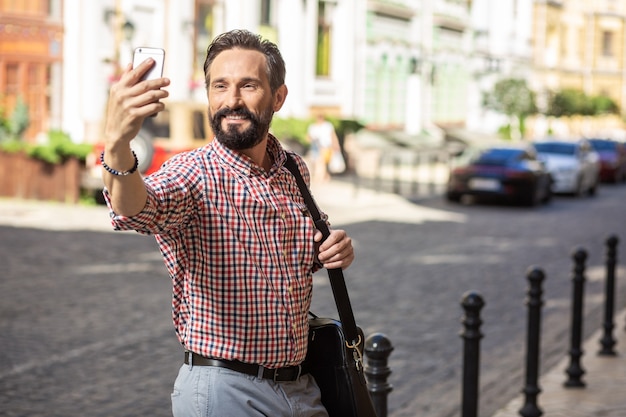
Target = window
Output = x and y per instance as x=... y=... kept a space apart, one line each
x=266 y=12
x=607 y=43
x=11 y=86
x=203 y=34
x=267 y=23
x=322 y=67
x=32 y=8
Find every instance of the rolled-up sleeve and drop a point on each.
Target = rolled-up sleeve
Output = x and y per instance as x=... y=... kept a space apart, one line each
x=142 y=222
x=170 y=199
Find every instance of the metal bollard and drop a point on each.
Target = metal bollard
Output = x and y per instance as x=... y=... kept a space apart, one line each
x=397 y=174
x=472 y=303
x=533 y=301
x=415 y=161
x=608 y=341
x=575 y=370
x=377 y=350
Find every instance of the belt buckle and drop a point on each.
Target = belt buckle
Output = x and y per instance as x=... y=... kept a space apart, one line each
x=297 y=376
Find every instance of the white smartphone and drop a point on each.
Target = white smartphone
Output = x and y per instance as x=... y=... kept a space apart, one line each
x=142 y=53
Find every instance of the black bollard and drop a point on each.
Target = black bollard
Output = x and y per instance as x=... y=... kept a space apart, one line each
x=607 y=341
x=472 y=303
x=377 y=350
x=575 y=370
x=533 y=301
x=415 y=174
x=397 y=174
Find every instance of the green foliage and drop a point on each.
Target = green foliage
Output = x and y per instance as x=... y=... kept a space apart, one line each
x=13 y=146
x=604 y=105
x=290 y=128
x=45 y=153
x=345 y=126
x=20 y=118
x=511 y=97
x=570 y=102
x=293 y=128
x=505 y=132
x=59 y=147
x=13 y=127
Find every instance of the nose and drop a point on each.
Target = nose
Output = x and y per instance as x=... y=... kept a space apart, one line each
x=234 y=98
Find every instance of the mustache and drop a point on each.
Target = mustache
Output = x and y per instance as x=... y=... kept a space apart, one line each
x=227 y=111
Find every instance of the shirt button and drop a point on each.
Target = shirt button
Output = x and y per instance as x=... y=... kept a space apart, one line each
x=285 y=253
x=283 y=216
x=290 y=289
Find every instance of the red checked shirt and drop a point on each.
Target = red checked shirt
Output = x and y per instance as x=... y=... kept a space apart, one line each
x=238 y=245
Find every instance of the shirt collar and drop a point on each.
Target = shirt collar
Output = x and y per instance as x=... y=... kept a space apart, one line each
x=243 y=164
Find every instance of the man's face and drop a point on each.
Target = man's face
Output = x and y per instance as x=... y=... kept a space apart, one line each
x=241 y=104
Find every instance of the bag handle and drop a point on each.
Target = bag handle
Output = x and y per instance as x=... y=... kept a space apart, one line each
x=335 y=275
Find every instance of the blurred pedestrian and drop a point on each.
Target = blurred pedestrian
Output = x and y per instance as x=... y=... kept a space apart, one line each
x=324 y=144
x=234 y=232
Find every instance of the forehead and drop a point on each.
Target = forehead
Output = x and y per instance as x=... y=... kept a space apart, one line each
x=239 y=63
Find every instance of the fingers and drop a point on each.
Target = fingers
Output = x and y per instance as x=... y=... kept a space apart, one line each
x=335 y=237
x=336 y=251
x=132 y=100
x=136 y=93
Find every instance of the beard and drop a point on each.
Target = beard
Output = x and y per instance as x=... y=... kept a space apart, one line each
x=237 y=140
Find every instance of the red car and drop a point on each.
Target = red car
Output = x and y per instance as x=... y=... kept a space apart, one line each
x=612 y=159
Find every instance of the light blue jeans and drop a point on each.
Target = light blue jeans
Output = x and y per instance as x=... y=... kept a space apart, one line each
x=207 y=391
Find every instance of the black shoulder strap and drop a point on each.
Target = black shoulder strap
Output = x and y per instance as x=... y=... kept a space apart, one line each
x=337 y=282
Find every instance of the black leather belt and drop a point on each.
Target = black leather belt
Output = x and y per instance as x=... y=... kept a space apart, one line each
x=290 y=373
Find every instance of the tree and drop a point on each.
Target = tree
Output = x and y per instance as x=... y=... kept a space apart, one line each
x=569 y=102
x=513 y=98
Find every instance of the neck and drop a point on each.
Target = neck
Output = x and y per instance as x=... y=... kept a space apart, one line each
x=260 y=155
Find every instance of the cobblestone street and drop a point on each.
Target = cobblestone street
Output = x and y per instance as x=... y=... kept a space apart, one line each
x=85 y=315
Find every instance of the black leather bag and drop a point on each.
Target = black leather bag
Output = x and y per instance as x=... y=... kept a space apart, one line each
x=335 y=348
x=337 y=371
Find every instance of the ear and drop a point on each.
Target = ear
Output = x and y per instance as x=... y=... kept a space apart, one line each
x=279 y=97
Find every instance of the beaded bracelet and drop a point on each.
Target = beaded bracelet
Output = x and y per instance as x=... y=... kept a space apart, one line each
x=115 y=171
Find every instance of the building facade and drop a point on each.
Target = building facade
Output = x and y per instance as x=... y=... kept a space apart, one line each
x=580 y=45
x=31 y=56
x=501 y=48
x=405 y=65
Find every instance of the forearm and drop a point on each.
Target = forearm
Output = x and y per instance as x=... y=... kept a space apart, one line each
x=130 y=102
x=127 y=192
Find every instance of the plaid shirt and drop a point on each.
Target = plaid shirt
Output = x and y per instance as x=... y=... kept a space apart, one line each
x=238 y=245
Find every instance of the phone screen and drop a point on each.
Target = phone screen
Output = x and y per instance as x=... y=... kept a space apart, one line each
x=142 y=53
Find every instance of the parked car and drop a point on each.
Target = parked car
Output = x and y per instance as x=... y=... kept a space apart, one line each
x=180 y=127
x=574 y=165
x=510 y=173
x=612 y=159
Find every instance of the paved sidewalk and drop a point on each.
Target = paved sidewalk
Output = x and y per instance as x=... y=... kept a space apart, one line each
x=605 y=380
x=341 y=200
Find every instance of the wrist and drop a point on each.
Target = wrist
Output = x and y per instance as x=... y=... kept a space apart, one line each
x=117 y=172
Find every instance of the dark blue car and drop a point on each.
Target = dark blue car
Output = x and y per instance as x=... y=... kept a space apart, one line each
x=510 y=173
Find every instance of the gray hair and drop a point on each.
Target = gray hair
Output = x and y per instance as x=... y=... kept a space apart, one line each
x=244 y=39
